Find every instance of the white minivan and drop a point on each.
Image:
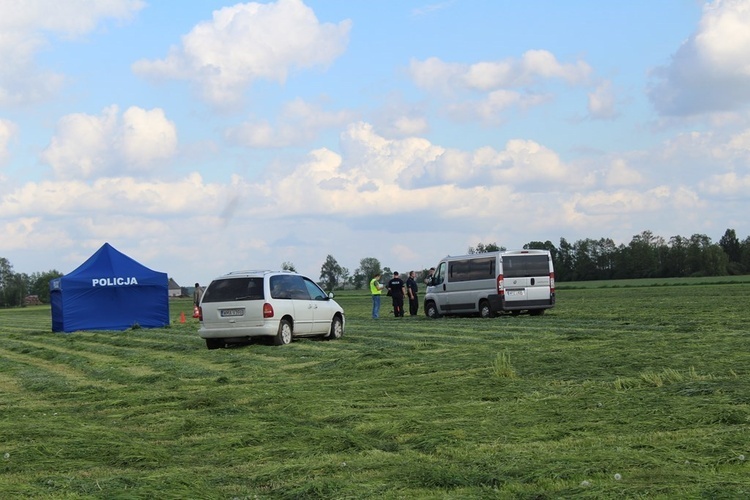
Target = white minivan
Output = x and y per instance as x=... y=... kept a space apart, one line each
x=492 y=283
x=279 y=305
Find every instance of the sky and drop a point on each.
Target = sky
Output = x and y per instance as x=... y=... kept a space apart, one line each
x=201 y=137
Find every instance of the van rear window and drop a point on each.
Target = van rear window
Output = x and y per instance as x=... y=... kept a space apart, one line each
x=233 y=289
x=525 y=266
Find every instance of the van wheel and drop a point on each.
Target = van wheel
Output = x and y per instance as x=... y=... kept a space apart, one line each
x=430 y=310
x=484 y=309
x=337 y=329
x=284 y=335
x=214 y=343
x=536 y=312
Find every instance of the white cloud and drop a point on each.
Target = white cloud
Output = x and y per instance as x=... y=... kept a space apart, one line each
x=602 y=104
x=375 y=184
x=490 y=110
x=534 y=66
x=25 y=29
x=710 y=72
x=500 y=85
x=247 y=42
x=621 y=174
x=86 y=146
x=119 y=195
x=730 y=185
x=32 y=232
x=631 y=202
x=8 y=131
x=404 y=126
x=299 y=123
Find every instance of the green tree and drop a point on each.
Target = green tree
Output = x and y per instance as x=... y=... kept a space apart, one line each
x=676 y=264
x=368 y=268
x=7 y=281
x=39 y=283
x=733 y=248
x=643 y=256
x=745 y=253
x=288 y=266
x=696 y=251
x=330 y=273
x=564 y=265
x=584 y=260
x=482 y=248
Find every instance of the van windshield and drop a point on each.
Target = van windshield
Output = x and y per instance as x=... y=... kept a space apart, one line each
x=233 y=289
x=525 y=266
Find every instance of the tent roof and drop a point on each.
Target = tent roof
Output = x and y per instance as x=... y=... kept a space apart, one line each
x=110 y=261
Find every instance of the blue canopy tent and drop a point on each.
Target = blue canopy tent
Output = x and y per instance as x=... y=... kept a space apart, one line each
x=110 y=291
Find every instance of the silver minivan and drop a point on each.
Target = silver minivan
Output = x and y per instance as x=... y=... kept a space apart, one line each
x=275 y=304
x=491 y=283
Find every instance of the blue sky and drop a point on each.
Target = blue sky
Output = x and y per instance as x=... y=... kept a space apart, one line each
x=202 y=137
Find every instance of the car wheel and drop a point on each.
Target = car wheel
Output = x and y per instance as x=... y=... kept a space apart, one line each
x=430 y=310
x=284 y=335
x=484 y=309
x=337 y=329
x=214 y=343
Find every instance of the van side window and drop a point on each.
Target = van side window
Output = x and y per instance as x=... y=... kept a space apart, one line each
x=472 y=269
x=439 y=275
x=314 y=290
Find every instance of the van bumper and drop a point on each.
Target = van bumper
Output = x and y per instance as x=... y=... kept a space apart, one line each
x=500 y=304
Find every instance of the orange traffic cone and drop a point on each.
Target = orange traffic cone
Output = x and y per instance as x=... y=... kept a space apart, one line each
x=196 y=312
x=182 y=317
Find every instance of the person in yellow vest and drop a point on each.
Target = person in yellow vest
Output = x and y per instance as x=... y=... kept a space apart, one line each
x=375 y=288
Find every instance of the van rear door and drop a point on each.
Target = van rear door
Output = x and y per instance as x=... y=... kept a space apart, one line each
x=233 y=303
x=527 y=280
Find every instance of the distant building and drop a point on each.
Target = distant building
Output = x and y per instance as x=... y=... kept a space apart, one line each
x=32 y=300
x=174 y=288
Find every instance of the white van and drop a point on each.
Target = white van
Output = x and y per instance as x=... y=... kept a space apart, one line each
x=492 y=283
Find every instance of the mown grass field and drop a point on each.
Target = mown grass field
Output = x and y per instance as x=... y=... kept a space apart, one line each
x=622 y=391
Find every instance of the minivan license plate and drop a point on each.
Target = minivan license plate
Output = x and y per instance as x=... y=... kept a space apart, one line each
x=240 y=311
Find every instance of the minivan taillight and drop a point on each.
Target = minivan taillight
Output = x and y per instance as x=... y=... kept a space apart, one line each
x=500 y=284
x=267 y=310
x=552 y=282
x=200 y=313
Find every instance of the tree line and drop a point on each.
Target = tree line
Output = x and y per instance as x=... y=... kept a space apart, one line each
x=15 y=287
x=645 y=256
x=649 y=256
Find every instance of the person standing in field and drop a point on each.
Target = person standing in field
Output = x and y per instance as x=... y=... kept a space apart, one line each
x=412 y=289
x=396 y=288
x=197 y=294
x=375 y=289
x=429 y=280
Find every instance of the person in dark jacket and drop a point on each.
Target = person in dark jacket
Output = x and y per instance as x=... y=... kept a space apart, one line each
x=397 y=288
x=412 y=289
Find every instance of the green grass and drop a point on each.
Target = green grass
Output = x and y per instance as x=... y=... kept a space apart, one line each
x=648 y=382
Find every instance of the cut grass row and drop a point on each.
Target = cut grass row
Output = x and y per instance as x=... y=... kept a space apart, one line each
x=650 y=383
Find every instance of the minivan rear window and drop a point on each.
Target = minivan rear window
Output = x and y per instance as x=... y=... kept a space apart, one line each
x=525 y=266
x=233 y=289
